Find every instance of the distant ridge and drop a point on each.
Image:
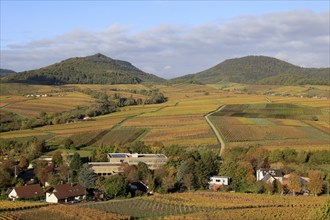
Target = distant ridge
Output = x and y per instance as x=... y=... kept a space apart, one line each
x=259 y=70
x=5 y=72
x=96 y=69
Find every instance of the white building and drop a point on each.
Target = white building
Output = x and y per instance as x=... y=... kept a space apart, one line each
x=219 y=181
x=269 y=175
x=26 y=192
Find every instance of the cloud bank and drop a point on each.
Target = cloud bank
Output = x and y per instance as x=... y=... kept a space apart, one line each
x=300 y=37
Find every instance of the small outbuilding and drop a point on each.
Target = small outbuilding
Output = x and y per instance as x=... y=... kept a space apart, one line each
x=26 y=192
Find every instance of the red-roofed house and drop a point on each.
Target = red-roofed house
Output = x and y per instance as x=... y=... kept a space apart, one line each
x=26 y=192
x=64 y=193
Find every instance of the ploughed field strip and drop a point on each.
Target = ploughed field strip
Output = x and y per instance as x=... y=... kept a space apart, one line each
x=272 y=122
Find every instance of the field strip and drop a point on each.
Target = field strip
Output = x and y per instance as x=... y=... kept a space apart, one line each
x=218 y=136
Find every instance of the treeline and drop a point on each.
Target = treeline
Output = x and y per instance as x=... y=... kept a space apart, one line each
x=105 y=104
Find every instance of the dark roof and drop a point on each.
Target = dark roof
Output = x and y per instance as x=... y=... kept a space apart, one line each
x=272 y=172
x=64 y=191
x=29 y=191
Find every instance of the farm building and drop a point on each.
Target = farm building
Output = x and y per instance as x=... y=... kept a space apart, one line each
x=269 y=175
x=26 y=192
x=64 y=193
x=153 y=161
x=218 y=181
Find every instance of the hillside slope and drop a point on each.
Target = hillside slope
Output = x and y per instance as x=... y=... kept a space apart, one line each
x=259 y=70
x=5 y=72
x=96 y=69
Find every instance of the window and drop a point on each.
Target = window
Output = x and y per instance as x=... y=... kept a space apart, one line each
x=217 y=181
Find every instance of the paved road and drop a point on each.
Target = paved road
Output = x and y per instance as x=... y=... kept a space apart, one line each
x=222 y=143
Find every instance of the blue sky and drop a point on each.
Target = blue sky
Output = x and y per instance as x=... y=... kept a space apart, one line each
x=41 y=25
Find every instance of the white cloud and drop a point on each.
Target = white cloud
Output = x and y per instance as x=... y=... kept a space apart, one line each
x=299 y=37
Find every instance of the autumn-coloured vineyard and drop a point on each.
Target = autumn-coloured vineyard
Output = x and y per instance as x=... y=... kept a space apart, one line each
x=65 y=212
x=213 y=205
x=267 y=124
x=17 y=205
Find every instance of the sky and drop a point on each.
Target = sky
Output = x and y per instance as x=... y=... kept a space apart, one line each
x=166 y=38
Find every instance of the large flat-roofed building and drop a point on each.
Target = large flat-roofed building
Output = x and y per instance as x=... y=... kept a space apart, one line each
x=105 y=168
x=153 y=161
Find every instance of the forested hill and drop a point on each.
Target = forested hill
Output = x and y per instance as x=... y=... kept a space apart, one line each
x=96 y=69
x=259 y=70
x=5 y=72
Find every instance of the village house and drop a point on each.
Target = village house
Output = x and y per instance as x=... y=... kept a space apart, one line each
x=26 y=192
x=116 y=160
x=65 y=193
x=217 y=182
x=269 y=175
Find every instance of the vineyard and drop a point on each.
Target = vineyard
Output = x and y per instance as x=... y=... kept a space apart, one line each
x=59 y=103
x=272 y=124
x=180 y=120
x=217 y=205
x=19 y=205
x=189 y=205
x=120 y=136
x=64 y=212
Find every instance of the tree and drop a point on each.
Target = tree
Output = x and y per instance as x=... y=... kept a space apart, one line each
x=315 y=182
x=57 y=158
x=143 y=171
x=139 y=147
x=87 y=177
x=269 y=186
x=68 y=143
x=23 y=162
x=100 y=155
x=130 y=172
x=115 y=186
x=278 y=187
x=6 y=173
x=75 y=163
x=187 y=181
x=43 y=171
x=294 y=183
x=276 y=156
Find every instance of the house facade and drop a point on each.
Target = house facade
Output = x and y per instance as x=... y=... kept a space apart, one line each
x=26 y=192
x=65 y=193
